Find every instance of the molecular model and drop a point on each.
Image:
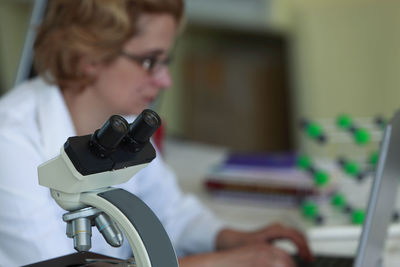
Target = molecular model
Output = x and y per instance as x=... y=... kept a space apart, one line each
x=351 y=168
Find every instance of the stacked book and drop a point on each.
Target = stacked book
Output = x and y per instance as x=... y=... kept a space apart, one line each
x=271 y=177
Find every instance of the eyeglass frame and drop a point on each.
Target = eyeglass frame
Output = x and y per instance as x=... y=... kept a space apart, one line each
x=145 y=61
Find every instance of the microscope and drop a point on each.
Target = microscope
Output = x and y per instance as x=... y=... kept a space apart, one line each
x=81 y=177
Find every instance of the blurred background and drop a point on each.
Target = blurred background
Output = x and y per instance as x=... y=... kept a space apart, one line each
x=246 y=71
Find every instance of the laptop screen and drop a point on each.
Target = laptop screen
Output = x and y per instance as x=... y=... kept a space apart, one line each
x=382 y=198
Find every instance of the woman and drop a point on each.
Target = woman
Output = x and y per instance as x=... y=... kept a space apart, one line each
x=97 y=58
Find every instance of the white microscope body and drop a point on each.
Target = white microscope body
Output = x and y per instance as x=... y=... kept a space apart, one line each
x=80 y=181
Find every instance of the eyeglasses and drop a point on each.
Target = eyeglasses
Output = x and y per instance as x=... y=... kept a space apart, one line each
x=150 y=63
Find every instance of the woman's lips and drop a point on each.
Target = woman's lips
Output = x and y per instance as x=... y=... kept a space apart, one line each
x=149 y=99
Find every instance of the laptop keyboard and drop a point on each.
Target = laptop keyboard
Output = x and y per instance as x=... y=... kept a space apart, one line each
x=326 y=261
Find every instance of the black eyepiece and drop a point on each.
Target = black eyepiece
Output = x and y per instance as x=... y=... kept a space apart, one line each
x=143 y=128
x=105 y=140
x=151 y=118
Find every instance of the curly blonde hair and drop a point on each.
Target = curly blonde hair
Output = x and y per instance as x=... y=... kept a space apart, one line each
x=95 y=28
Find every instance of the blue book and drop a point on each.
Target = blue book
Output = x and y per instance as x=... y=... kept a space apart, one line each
x=262 y=160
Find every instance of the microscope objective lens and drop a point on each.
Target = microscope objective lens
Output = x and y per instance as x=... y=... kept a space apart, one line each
x=82 y=234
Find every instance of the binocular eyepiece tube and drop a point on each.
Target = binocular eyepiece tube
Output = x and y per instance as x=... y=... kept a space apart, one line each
x=105 y=140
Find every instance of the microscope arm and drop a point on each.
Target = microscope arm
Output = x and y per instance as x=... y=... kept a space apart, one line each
x=148 y=240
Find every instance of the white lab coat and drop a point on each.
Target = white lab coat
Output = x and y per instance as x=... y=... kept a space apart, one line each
x=34 y=124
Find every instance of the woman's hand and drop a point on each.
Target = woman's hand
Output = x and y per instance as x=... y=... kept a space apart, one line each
x=228 y=238
x=258 y=254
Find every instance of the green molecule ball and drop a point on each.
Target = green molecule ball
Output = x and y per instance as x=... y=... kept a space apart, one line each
x=309 y=209
x=352 y=168
x=314 y=130
x=373 y=159
x=303 y=162
x=338 y=200
x=344 y=121
x=321 y=178
x=358 y=217
x=362 y=136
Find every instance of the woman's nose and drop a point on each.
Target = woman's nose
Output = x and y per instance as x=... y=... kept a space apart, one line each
x=162 y=79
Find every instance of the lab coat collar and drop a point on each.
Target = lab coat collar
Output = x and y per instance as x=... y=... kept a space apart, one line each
x=54 y=119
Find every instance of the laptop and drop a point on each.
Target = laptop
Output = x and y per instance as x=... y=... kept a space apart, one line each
x=380 y=206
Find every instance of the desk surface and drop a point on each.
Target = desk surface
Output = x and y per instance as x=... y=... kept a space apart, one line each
x=191 y=161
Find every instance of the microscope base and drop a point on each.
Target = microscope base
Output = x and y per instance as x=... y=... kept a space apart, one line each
x=75 y=259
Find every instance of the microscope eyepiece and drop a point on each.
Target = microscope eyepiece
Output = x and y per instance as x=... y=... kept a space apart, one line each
x=108 y=137
x=151 y=118
x=143 y=128
x=112 y=132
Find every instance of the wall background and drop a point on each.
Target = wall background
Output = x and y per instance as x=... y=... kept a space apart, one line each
x=343 y=56
x=14 y=18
